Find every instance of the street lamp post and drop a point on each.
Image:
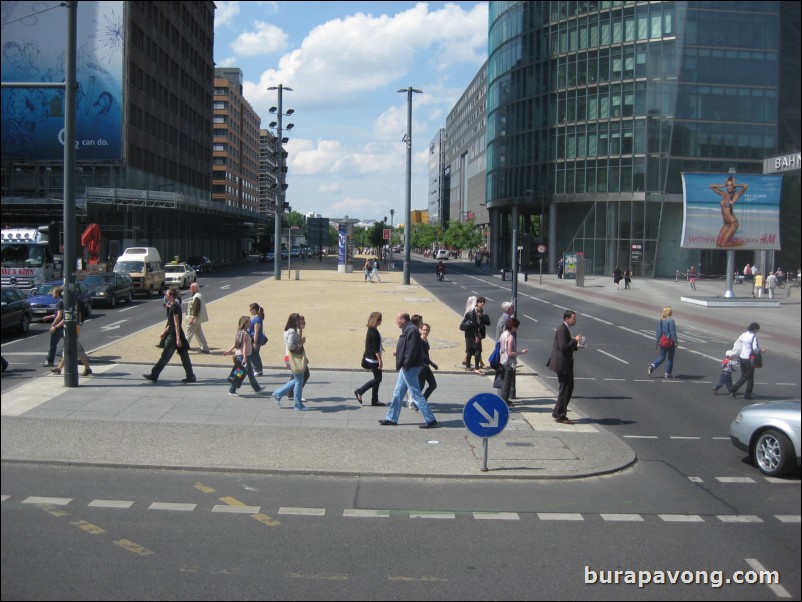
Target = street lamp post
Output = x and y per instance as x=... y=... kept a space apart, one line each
x=408 y=198
x=280 y=189
x=392 y=214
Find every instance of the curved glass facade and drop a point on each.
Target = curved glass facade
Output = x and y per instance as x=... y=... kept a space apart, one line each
x=596 y=108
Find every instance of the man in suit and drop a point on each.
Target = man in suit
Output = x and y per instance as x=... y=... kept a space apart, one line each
x=561 y=361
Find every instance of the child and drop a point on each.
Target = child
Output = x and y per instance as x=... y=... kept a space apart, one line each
x=728 y=366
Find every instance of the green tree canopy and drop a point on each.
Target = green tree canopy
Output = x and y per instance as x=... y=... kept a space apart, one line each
x=462 y=235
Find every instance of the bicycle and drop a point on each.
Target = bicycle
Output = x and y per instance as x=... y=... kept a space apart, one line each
x=792 y=284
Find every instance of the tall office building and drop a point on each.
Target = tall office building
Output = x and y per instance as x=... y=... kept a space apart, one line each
x=439 y=181
x=235 y=146
x=464 y=154
x=595 y=109
x=145 y=77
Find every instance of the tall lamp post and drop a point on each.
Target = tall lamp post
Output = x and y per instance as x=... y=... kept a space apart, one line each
x=392 y=214
x=408 y=198
x=281 y=187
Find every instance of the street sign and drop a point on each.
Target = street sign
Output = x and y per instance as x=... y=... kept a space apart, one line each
x=541 y=248
x=386 y=234
x=485 y=415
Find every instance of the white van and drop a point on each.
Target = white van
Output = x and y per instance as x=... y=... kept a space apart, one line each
x=144 y=265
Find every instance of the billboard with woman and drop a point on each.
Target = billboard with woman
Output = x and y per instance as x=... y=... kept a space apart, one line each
x=731 y=211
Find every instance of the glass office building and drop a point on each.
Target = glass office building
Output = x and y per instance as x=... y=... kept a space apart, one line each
x=596 y=108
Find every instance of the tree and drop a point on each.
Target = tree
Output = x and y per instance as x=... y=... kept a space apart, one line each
x=423 y=236
x=462 y=235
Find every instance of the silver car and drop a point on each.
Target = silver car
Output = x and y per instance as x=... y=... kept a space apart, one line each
x=769 y=433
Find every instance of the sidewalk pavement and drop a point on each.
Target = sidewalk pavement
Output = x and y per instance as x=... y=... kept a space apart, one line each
x=117 y=418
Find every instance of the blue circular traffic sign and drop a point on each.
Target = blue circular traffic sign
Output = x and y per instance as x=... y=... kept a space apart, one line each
x=485 y=415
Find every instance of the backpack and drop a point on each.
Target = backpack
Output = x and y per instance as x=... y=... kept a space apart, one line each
x=495 y=356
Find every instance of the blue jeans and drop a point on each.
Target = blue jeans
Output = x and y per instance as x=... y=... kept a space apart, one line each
x=297 y=384
x=255 y=359
x=408 y=379
x=666 y=353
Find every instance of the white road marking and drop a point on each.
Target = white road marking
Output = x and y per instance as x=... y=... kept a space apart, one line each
x=778 y=589
x=614 y=357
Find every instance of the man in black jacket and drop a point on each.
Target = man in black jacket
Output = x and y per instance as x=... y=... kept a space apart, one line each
x=409 y=359
x=561 y=361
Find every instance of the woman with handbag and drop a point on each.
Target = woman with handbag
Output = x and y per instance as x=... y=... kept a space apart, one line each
x=296 y=358
x=372 y=360
x=242 y=348
x=667 y=343
x=751 y=357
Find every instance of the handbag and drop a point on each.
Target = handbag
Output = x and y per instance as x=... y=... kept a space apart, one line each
x=666 y=342
x=495 y=356
x=756 y=357
x=366 y=365
x=297 y=362
x=237 y=375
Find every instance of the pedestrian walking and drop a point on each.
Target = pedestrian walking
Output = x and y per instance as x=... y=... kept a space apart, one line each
x=372 y=360
x=667 y=343
x=618 y=275
x=509 y=358
x=560 y=268
x=367 y=268
x=57 y=328
x=296 y=360
x=750 y=354
x=747 y=273
x=426 y=374
x=174 y=341
x=473 y=325
x=243 y=352
x=300 y=330
x=197 y=317
x=257 y=332
x=561 y=361
x=692 y=277
x=374 y=272
x=408 y=362
x=82 y=356
x=628 y=278
x=758 y=290
x=771 y=283
x=728 y=366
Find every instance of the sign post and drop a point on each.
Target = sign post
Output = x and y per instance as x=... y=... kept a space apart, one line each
x=485 y=415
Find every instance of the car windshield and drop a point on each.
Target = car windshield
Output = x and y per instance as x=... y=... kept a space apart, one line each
x=130 y=266
x=98 y=279
x=44 y=289
x=173 y=268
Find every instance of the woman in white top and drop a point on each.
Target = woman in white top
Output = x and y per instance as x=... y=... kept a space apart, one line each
x=749 y=347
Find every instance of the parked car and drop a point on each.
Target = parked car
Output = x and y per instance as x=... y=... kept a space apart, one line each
x=200 y=263
x=267 y=257
x=17 y=314
x=109 y=288
x=179 y=274
x=441 y=254
x=43 y=303
x=769 y=433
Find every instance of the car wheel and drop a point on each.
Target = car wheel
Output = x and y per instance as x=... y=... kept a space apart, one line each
x=113 y=301
x=25 y=324
x=88 y=310
x=773 y=453
x=150 y=292
x=130 y=297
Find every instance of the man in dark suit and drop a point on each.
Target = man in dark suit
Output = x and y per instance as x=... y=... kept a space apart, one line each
x=561 y=361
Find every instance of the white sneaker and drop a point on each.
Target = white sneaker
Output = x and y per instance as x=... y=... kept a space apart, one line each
x=233 y=394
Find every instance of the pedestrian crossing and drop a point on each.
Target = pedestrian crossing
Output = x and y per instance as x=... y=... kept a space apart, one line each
x=46 y=502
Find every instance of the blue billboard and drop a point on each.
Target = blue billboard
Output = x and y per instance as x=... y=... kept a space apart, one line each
x=731 y=211
x=34 y=50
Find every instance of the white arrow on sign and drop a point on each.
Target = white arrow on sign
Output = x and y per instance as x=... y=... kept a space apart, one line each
x=491 y=422
x=113 y=325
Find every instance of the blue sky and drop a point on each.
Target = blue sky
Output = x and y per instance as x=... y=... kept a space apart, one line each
x=345 y=62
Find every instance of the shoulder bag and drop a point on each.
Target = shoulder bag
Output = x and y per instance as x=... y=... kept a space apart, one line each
x=666 y=342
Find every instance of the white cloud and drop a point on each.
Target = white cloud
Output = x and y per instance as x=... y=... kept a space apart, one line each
x=330 y=188
x=265 y=39
x=343 y=58
x=226 y=13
